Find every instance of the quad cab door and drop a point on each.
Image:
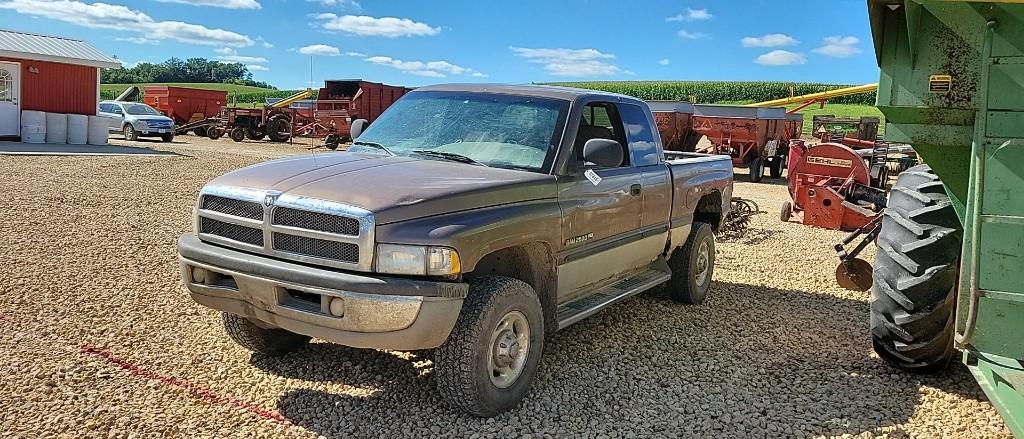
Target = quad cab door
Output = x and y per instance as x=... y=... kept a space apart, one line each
x=10 y=97
x=601 y=209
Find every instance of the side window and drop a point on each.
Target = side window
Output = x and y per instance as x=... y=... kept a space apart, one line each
x=116 y=109
x=105 y=108
x=640 y=136
x=600 y=120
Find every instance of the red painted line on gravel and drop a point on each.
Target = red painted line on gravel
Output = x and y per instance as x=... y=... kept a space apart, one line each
x=195 y=389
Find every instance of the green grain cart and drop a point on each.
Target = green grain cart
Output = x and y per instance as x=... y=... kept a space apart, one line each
x=949 y=273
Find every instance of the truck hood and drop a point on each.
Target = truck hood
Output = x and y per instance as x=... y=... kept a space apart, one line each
x=393 y=188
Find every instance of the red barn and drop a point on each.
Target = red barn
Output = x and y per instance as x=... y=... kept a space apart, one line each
x=47 y=73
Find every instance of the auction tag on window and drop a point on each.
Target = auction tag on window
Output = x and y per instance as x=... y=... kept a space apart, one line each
x=593 y=177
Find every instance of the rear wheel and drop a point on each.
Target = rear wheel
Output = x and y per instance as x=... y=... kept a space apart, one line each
x=693 y=266
x=915 y=275
x=279 y=128
x=488 y=363
x=237 y=134
x=270 y=341
x=756 y=169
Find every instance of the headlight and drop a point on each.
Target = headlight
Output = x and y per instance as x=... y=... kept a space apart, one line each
x=417 y=260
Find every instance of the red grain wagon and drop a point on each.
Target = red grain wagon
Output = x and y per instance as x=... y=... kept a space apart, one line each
x=673 y=120
x=754 y=137
x=185 y=105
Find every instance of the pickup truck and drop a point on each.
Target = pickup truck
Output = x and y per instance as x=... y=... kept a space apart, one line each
x=468 y=221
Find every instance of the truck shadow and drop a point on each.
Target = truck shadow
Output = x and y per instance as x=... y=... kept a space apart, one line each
x=751 y=361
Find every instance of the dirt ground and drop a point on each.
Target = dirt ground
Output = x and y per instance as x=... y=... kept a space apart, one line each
x=100 y=340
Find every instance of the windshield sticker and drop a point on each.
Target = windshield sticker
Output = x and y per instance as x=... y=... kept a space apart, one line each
x=593 y=177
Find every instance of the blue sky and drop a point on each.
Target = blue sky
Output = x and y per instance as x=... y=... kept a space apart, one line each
x=410 y=42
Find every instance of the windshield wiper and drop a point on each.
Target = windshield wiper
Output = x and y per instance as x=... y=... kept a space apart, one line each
x=375 y=145
x=448 y=156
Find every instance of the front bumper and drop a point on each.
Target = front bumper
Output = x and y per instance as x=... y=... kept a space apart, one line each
x=375 y=312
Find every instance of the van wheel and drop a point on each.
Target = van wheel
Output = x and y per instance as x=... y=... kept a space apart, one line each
x=130 y=133
x=272 y=341
x=488 y=363
x=693 y=266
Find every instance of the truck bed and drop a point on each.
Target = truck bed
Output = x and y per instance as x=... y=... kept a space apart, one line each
x=695 y=176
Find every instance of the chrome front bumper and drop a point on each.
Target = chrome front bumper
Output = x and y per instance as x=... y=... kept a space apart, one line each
x=344 y=308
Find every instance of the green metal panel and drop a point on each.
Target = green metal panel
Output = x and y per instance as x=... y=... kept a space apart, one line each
x=952 y=85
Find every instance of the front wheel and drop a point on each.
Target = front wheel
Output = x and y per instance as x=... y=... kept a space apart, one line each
x=756 y=169
x=488 y=363
x=693 y=266
x=913 y=296
x=130 y=133
x=270 y=341
x=167 y=137
x=237 y=134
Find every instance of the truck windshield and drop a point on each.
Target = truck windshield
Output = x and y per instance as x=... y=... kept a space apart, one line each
x=503 y=131
x=140 y=110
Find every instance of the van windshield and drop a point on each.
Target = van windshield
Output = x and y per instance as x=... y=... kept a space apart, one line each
x=140 y=110
x=503 y=131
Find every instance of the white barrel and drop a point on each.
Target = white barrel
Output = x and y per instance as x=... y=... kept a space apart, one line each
x=78 y=129
x=33 y=134
x=97 y=130
x=31 y=118
x=56 y=128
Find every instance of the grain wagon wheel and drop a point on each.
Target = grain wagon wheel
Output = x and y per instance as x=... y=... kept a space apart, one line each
x=237 y=134
x=214 y=133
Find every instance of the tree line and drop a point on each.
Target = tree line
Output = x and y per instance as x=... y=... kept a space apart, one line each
x=199 y=70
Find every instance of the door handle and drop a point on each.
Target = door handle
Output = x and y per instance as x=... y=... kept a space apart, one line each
x=635 y=189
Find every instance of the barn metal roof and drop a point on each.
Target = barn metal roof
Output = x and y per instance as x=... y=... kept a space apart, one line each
x=14 y=44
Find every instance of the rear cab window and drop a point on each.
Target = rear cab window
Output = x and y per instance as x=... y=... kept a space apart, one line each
x=640 y=135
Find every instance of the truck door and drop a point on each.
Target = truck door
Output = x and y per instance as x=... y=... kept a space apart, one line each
x=655 y=179
x=600 y=208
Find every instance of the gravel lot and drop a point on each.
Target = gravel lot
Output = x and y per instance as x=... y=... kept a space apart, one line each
x=99 y=339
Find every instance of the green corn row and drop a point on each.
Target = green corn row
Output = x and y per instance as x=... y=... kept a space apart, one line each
x=719 y=92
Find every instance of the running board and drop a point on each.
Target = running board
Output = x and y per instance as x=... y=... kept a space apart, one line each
x=584 y=307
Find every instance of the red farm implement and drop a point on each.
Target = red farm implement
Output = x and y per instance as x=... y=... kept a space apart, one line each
x=674 y=124
x=756 y=138
x=192 y=109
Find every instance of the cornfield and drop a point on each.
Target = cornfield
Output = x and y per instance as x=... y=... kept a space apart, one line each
x=719 y=92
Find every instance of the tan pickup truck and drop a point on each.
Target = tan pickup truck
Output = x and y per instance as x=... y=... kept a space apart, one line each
x=474 y=219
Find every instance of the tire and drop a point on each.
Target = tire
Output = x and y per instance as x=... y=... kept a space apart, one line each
x=237 y=134
x=254 y=134
x=332 y=141
x=167 y=137
x=278 y=128
x=913 y=295
x=786 y=212
x=273 y=341
x=756 y=170
x=130 y=133
x=201 y=131
x=688 y=284
x=775 y=167
x=462 y=365
x=214 y=133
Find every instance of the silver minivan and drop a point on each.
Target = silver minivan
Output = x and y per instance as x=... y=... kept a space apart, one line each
x=136 y=120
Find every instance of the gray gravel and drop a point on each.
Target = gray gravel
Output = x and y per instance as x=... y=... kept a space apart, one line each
x=778 y=350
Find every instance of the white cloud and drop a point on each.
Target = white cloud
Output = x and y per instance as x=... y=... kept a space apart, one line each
x=781 y=58
x=266 y=44
x=138 y=40
x=570 y=62
x=225 y=51
x=769 y=40
x=691 y=15
x=356 y=54
x=686 y=35
x=663 y=62
x=430 y=69
x=345 y=4
x=320 y=50
x=257 y=68
x=108 y=16
x=839 y=47
x=243 y=59
x=227 y=4
x=390 y=27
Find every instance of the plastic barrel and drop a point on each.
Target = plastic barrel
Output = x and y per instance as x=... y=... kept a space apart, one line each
x=78 y=129
x=56 y=128
x=33 y=126
x=97 y=130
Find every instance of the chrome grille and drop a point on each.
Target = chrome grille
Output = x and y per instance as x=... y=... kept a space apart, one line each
x=320 y=248
x=287 y=226
x=322 y=222
x=234 y=232
x=230 y=206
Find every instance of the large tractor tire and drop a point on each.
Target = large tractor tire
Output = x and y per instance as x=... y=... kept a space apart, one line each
x=913 y=297
x=278 y=128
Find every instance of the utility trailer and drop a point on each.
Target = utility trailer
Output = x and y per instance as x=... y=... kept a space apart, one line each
x=947 y=276
x=192 y=109
x=754 y=137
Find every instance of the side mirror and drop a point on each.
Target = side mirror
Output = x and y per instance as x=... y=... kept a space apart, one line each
x=358 y=126
x=604 y=153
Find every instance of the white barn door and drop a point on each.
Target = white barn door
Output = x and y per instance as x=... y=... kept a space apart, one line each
x=10 y=107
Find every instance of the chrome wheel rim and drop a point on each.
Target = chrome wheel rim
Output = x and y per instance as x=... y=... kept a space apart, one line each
x=703 y=263
x=510 y=345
